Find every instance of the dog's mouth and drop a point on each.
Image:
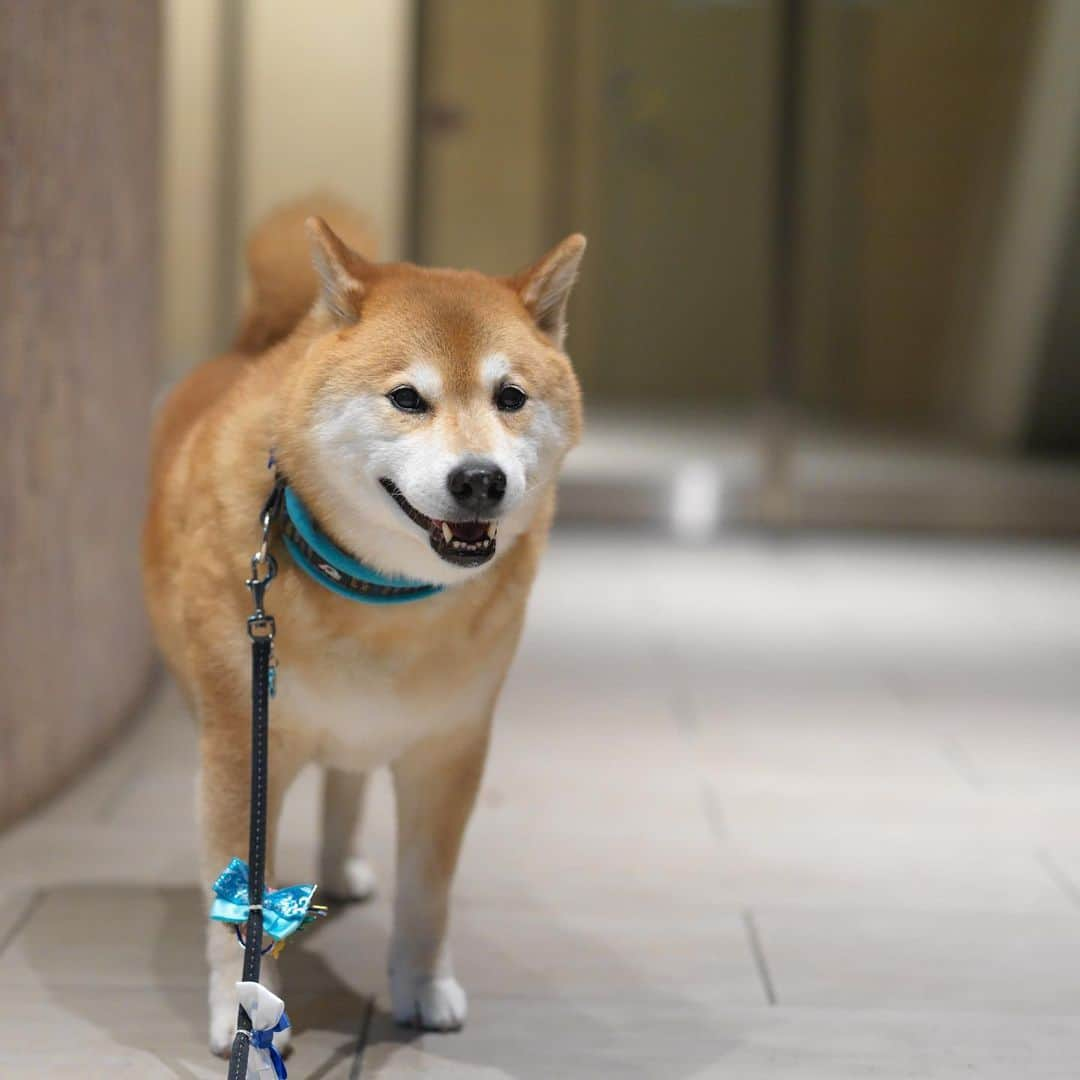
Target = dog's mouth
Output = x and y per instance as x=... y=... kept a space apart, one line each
x=463 y=543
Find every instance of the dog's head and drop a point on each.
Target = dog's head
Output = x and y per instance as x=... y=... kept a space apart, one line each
x=429 y=413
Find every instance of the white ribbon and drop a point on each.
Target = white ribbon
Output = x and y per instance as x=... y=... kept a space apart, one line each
x=265 y=1010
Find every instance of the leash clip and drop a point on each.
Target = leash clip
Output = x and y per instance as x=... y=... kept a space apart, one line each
x=266 y=519
x=259 y=582
x=263 y=570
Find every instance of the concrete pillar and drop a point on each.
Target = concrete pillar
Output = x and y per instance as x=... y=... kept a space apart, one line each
x=78 y=338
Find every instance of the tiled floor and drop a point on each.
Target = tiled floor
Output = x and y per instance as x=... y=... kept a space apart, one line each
x=777 y=808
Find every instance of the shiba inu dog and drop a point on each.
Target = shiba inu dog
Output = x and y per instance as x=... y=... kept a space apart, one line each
x=419 y=417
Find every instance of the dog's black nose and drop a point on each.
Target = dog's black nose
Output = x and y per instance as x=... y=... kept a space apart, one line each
x=477 y=486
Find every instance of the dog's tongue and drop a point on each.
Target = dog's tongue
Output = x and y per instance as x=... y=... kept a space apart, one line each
x=468 y=531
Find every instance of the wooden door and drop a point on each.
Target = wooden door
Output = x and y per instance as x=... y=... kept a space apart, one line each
x=645 y=125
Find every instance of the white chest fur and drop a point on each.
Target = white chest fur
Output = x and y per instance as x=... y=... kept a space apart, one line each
x=359 y=719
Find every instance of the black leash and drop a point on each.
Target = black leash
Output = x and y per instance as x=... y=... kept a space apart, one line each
x=261 y=629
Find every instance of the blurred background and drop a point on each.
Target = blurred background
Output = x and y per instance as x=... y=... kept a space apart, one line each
x=827 y=327
x=831 y=240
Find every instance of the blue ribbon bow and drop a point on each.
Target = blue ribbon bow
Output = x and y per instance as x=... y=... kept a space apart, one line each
x=284 y=910
x=264 y=1040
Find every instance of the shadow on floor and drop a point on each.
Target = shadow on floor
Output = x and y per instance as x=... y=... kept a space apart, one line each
x=128 y=961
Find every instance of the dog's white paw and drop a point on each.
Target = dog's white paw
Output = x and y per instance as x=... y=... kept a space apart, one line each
x=222 y=1029
x=426 y=1002
x=222 y=1014
x=351 y=879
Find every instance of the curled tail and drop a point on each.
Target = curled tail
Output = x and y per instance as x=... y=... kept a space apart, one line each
x=282 y=281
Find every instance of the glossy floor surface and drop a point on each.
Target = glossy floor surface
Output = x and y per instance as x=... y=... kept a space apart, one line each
x=772 y=808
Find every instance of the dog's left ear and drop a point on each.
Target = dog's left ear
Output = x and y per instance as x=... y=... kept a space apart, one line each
x=340 y=270
x=545 y=286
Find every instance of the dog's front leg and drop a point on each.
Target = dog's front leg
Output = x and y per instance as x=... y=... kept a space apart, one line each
x=224 y=806
x=435 y=783
x=344 y=874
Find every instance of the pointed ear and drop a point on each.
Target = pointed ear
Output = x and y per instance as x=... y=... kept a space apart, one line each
x=545 y=286
x=339 y=269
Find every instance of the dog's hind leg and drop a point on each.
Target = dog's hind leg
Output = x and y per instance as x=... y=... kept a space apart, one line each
x=224 y=808
x=344 y=874
x=436 y=783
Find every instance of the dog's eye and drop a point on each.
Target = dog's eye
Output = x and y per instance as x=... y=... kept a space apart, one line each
x=510 y=398
x=407 y=399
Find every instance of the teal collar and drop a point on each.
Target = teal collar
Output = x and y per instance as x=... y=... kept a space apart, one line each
x=323 y=561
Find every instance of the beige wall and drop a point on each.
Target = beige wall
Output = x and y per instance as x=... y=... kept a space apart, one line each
x=191 y=131
x=327 y=104
x=267 y=103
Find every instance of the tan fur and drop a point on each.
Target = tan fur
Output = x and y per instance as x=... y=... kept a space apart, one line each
x=423 y=676
x=283 y=281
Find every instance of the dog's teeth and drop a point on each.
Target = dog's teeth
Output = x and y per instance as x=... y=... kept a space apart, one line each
x=447 y=534
x=492 y=529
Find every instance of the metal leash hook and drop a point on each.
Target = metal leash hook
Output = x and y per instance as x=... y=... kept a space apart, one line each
x=260 y=624
x=263 y=571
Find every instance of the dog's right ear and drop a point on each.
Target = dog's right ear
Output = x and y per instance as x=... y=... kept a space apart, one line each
x=339 y=269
